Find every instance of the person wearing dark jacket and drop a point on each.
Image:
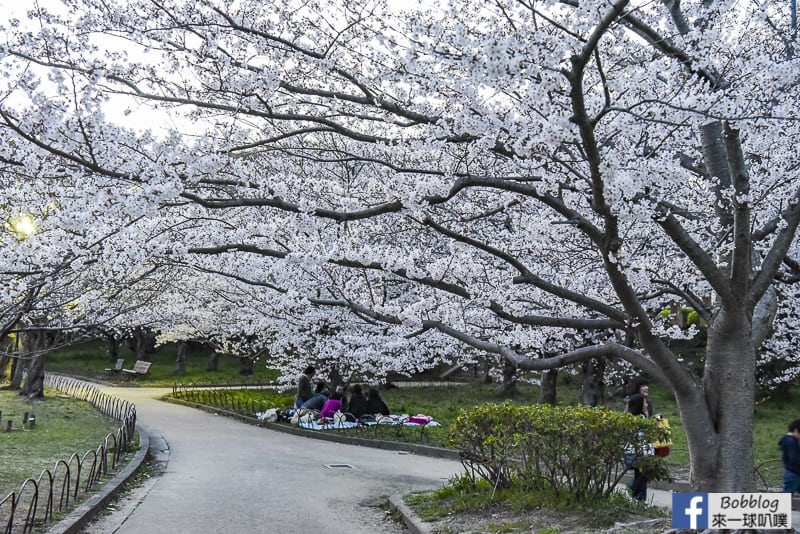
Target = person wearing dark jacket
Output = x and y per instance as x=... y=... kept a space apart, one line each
x=357 y=405
x=790 y=454
x=638 y=406
x=341 y=389
x=304 y=391
x=375 y=404
x=641 y=397
x=305 y=397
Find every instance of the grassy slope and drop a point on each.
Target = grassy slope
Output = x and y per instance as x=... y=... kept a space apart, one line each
x=63 y=427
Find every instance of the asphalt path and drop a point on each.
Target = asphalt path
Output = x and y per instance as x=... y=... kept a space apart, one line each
x=220 y=475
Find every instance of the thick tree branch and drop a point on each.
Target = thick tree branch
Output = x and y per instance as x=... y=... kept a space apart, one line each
x=454 y=289
x=696 y=255
x=527 y=277
x=777 y=253
x=560 y=322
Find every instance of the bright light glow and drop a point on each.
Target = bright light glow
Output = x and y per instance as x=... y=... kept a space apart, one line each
x=24 y=225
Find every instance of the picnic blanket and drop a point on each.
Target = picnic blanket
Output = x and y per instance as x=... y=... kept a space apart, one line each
x=397 y=419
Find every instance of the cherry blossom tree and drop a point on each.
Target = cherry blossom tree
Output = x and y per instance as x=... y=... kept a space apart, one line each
x=501 y=174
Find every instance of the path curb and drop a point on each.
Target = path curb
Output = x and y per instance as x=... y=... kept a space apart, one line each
x=414 y=524
x=78 y=518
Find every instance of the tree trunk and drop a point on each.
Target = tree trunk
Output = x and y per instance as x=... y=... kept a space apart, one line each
x=213 y=361
x=485 y=371
x=180 y=359
x=4 y=361
x=113 y=343
x=593 y=388
x=508 y=387
x=245 y=366
x=142 y=343
x=7 y=346
x=17 y=373
x=36 y=345
x=722 y=450
x=34 y=383
x=547 y=387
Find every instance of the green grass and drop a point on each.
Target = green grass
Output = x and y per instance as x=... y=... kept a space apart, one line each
x=772 y=419
x=89 y=360
x=63 y=426
x=460 y=497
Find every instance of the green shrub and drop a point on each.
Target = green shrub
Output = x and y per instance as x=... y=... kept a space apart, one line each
x=488 y=438
x=576 y=452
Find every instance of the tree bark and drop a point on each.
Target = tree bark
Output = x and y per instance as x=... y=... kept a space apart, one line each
x=722 y=456
x=180 y=359
x=34 y=382
x=17 y=373
x=547 y=387
x=4 y=361
x=593 y=387
x=213 y=361
x=143 y=344
x=245 y=366
x=508 y=387
x=113 y=343
x=485 y=369
x=36 y=344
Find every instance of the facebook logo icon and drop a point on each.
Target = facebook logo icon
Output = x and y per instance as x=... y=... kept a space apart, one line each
x=690 y=510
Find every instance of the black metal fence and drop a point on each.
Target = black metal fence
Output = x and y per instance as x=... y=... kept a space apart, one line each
x=33 y=506
x=224 y=397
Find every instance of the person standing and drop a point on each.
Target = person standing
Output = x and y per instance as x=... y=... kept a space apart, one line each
x=641 y=395
x=790 y=454
x=638 y=406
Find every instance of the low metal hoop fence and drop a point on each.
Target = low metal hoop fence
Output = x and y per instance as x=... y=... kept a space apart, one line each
x=222 y=396
x=33 y=506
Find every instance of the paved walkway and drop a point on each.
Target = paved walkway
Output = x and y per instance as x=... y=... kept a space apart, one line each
x=220 y=475
x=225 y=476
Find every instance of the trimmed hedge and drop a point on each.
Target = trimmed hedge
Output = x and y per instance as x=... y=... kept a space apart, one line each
x=577 y=452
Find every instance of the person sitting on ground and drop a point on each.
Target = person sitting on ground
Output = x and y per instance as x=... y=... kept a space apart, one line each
x=331 y=406
x=357 y=407
x=341 y=389
x=375 y=404
x=790 y=454
x=304 y=391
x=321 y=394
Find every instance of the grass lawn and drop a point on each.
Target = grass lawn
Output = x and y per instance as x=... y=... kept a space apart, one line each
x=89 y=360
x=63 y=427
